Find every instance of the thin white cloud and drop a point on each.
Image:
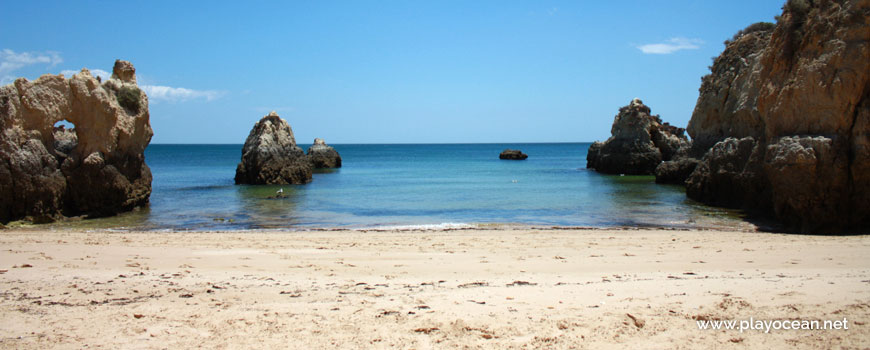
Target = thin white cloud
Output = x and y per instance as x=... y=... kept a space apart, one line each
x=11 y=61
x=94 y=72
x=160 y=92
x=179 y=94
x=671 y=45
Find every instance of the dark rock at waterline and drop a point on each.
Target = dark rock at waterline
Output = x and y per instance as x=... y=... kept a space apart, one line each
x=95 y=169
x=639 y=142
x=270 y=155
x=799 y=180
x=323 y=156
x=675 y=171
x=512 y=154
x=727 y=175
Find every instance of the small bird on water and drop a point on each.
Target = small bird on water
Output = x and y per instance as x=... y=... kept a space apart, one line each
x=279 y=192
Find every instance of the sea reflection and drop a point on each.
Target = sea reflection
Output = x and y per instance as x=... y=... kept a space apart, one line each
x=638 y=201
x=270 y=206
x=137 y=218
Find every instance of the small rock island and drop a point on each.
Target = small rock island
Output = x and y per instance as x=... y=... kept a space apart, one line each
x=639 y=142
x=512 y=154
x=323 y=156
x=271 y=157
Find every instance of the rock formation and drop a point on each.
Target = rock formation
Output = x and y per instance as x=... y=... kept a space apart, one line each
x=512 y=154
x=676 y=171
x=639 y=142
x=727 y=104
x=96 y=168
x=270 y=155
x=783 y=120
x=322 y=155
x=728 y=175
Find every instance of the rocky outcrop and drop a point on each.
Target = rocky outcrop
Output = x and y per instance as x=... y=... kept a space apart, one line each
x=787 y=118
x=678 y=168
x=323 y=156
x=270 y=155
x=726 y=176
x=727 y=104
x=676 y=171
x=639 y=142
x=512 y=154
x=96 y=168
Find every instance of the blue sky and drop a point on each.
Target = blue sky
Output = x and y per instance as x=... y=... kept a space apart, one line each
x=385 y=71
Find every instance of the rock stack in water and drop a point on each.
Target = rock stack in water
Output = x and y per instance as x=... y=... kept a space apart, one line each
x=270 y=155
x=638 y=144
x=512 y=154
x=322 y=155
x=96 y=168
x=782 y=124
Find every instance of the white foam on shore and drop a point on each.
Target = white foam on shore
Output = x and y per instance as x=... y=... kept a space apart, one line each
x=434 y=227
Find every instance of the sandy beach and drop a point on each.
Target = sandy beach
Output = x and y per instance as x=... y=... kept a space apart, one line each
x=481 y=288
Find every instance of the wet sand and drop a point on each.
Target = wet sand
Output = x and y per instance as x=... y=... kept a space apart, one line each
x=498 y=288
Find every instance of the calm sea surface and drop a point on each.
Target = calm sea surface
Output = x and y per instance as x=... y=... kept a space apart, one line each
x=409 y=185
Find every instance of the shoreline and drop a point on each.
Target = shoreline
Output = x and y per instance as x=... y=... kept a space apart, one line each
x=404 y=229
x=554 y=288
x=743 y=226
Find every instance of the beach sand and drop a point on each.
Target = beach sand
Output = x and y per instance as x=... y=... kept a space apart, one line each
x=480 y=288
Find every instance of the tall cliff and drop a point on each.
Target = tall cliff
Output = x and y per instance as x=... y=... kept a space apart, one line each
x=96 y=169
x=783 y=120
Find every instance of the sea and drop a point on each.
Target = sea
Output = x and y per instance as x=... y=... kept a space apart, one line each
x=394 y=186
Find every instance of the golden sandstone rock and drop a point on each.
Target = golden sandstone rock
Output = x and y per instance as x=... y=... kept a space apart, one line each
x=95 y=169
x=783 y=121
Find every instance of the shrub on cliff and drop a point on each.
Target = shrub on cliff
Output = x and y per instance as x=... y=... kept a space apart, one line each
x=128 y=97
x=752 y=28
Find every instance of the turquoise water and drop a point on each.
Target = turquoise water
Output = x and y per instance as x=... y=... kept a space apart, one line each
x=409 y=185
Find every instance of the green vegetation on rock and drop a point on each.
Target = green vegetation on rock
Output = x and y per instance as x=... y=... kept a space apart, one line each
x=128 y=97
x=752 y=28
